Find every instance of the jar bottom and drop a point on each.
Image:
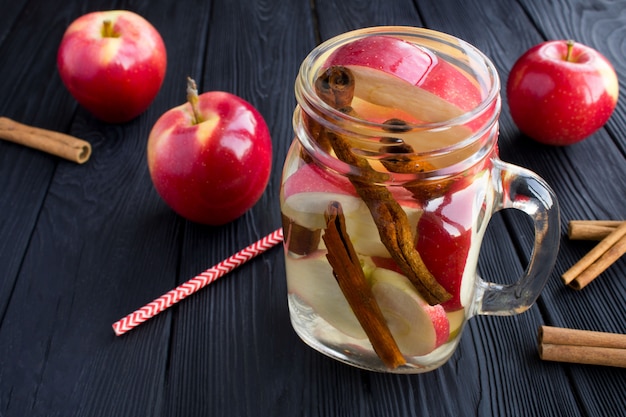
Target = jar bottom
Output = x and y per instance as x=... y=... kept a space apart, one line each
x=321 y=336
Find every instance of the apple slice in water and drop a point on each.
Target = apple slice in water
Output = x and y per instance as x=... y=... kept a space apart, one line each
x=364 y=234
x=309 y=209
x=308 y=191
x=311 y=279
x=393 y=73
x=386 y=90
x=396 y=73
x=445 y=237
x=417 y=327
x=383 y=89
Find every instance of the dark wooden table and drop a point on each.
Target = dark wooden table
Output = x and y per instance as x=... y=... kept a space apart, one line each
x=83 y=245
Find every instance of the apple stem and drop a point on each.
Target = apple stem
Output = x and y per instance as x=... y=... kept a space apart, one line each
x=192 y=98
x=107 y=29
x=570 y=48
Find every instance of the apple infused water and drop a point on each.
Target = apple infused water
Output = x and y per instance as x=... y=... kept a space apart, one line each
x=445 y=230
x=386 y=193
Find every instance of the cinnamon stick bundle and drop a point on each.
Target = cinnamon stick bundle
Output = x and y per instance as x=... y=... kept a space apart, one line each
x=54 y=143
x=582 y=346
x=603 y=255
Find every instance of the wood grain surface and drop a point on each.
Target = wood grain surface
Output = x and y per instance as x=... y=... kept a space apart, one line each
x=83 y=245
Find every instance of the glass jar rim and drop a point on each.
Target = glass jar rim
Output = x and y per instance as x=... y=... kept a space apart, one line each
x=310 y=69
x=461 y=146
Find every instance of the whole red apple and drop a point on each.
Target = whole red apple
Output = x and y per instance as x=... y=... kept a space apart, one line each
x=210 y=158
x=560 y=92
x=113 y=63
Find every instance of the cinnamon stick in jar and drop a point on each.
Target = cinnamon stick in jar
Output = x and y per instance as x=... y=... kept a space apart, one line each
x=49 y=141
x=353 y=284
x=335 y=87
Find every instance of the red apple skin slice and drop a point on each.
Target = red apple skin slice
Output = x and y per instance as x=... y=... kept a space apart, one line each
x=309 y=190
x=411 y=63
x=310 y=178
x=385 y=53
x=444 y=238
x=418 y=87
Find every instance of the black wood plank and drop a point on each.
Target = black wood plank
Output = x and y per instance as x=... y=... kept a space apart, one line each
x=334 y=17
x=81 y=246
x=577 y=173
x=233 y=351
x=31 y=93
x=593 y=188
x=104 y=244
x=598 y=24
x=504 y=32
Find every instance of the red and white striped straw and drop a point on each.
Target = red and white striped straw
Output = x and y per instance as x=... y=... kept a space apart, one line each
x=194 y=284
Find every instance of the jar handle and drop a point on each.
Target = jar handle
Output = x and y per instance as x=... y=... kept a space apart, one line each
x=521 y=189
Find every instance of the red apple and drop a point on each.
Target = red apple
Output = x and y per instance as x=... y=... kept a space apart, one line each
x=210 y=158
x=113 y=63
x=560 y=92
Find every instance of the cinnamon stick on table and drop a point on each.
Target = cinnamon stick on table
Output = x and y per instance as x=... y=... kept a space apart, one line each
x=582 y=346
x=603 y=255
x=54 y=143
x=591 y=229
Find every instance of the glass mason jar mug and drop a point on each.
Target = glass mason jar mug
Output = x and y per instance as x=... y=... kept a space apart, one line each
x=387 y=190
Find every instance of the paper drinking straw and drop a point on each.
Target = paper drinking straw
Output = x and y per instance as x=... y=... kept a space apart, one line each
x=194 y=284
